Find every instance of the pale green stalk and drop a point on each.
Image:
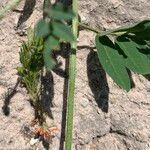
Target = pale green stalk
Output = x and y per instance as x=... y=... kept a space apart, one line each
x=71 y=82
x=9 y=6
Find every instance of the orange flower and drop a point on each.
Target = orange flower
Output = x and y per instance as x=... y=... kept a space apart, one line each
x=45 y=133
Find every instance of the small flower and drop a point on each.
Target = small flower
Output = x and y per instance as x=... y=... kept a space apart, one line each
x=45 y=133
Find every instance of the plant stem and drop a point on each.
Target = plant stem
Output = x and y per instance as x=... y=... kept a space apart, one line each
x=88 y=27
x=71 y=82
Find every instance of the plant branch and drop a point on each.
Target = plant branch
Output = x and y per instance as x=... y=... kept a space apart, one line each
x=82 y=25
x=71 y=82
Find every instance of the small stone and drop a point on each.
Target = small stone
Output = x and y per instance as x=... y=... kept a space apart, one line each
x=33 y=141
x=84 y=102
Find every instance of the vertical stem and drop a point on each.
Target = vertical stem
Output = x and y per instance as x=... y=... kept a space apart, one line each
x=71 y=82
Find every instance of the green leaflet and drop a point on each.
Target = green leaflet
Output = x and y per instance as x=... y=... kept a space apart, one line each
x=143 y=35
x=25 y=56
x=42 y=29
x=136 y=61
x=60 y=12
x=62 y=31
x=51 y=42
x=49 y=62
x=30 y=36
x=112 y=62
x=141 y=29
x=138 y=27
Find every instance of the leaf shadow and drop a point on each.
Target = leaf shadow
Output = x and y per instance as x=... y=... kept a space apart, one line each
x=47 y=93
x=97 y=81
x=131 y=79
x=46 y=145
x=42 y=106
x=147 y=77
x=65 y=2
x=8 y=96
x=27 y=12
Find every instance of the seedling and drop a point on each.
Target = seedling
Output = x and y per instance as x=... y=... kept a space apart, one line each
x=119 y=50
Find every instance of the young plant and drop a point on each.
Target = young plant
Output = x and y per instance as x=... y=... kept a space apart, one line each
x=30 y=72
x=119 y=50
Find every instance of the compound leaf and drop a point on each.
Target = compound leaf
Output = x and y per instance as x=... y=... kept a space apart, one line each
x=51 y=42
x=141 y=29
x=42 y=29
x=48 y=60
x=136 y=61
x=112 y=62
x=60 y=12
x=62 y=31
x=138 y=27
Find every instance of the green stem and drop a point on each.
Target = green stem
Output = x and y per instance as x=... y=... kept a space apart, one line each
x=71 y=82
x=82 y=25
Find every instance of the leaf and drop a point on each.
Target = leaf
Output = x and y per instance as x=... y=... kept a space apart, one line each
x=30 y=35
x=142 y=29
x=60 y=12
x=112 y=62
x=136 y=61
x=62 y=31
x=25 y=55
x=138 y=27
x=51 y=43
x=42 y=29
x=143 y=35
x=49 y=62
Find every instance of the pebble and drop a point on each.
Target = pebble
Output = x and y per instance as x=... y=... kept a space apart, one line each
x=84 y=102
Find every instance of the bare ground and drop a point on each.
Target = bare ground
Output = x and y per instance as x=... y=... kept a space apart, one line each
x=106 y=117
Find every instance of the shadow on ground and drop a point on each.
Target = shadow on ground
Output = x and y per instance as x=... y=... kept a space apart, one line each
x=26 y=12
x=8 y=95
x=97 y=81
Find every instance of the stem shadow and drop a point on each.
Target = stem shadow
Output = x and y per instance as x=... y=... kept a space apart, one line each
x=65 y=49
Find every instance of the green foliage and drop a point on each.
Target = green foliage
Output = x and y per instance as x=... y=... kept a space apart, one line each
x=54 y=31
x=136 y=61
x=32 y=62
x=62 y=31
x=60 y=12
x=137 y=28
x=42 y=29
x=112 y=62
x=119 y=50
x=129 y=48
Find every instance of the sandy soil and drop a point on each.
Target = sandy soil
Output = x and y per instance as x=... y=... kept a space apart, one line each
x=106 y=117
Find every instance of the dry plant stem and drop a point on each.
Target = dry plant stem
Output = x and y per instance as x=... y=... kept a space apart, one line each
x=9 y=6
x=71 y=83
